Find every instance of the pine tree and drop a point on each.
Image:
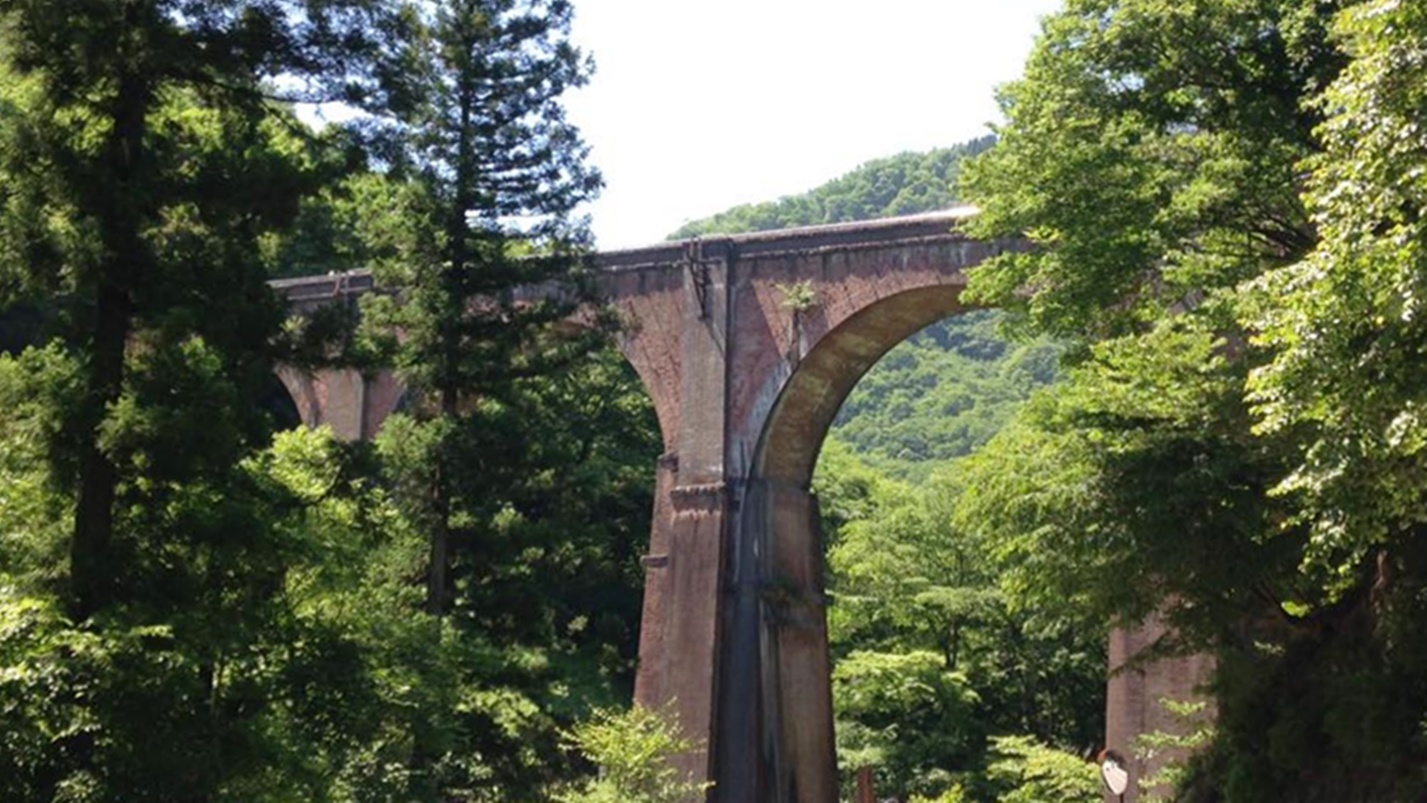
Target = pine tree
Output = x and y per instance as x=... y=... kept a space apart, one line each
x=481 y=257
x=487 y=257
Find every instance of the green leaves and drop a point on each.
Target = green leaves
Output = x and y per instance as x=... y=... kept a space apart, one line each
x=633 y=750
x=246 y=620
x=1150 y=152
x=1225 y=199
x=1135 y=484
x=904 y=713
x=1028 y=772
x=1343 y=325
x=933 y=658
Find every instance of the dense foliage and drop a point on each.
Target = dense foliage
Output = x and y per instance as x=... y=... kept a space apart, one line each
x=633 y=750
x=152 y=650
x=1225 y=197
x=194 y=609
x=936 y=666
x=1227 y=202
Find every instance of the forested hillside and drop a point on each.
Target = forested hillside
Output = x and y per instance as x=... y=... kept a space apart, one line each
x=897 y=185
x=942 y=394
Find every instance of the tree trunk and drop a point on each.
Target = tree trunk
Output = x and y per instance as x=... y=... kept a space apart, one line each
x=120 y=216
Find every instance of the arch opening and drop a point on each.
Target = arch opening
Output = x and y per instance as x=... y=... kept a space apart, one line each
x=793 y=436
x=775 y=625
x=278 y=402
x=804 y=646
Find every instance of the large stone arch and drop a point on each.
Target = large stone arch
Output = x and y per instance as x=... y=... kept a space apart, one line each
x=781 y=616
x=353 y=403
x=278 y=401
x=748 y=345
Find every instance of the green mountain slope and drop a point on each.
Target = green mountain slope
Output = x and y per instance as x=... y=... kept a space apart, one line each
x=904 y=184
x=942 y=394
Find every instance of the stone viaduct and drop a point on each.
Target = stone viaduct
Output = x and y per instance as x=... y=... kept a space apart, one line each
x=748 y=346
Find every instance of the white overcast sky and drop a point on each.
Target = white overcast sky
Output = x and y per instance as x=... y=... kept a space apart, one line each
x=697 y=106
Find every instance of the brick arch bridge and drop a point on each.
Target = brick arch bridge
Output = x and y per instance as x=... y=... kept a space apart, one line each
x=748 y=346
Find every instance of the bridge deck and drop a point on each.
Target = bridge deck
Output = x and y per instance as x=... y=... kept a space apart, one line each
x=859 y=234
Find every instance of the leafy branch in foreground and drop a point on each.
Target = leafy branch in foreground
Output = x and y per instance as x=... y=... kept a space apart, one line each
x=633 y=750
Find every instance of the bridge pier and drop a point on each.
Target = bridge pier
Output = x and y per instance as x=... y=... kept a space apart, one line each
x=1135 y=700
x=784 y=520
x=679 y=640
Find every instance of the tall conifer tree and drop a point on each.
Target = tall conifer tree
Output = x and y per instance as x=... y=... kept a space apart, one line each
x=481 y=254
x=487 y=256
